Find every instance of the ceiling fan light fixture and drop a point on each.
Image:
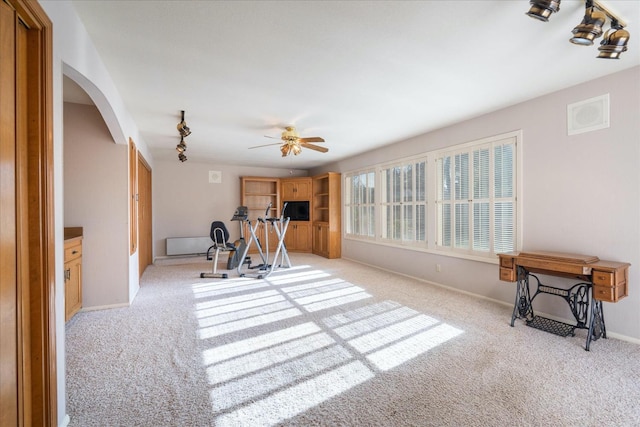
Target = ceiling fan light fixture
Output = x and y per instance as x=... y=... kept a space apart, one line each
x=543 y=9
x=296 y=149
x=590 y=28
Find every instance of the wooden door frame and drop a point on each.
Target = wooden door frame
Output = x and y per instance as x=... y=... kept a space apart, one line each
x=144 y=224
x=36 y=337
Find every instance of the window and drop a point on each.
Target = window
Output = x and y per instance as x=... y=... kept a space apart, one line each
x=359 y=204
x=475 y=197
x=460 y=201
x=403 y=205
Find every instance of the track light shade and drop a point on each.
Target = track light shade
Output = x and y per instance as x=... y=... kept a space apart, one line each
x=542 y=9
x=183 y=129
x=590 y=28
x=614 y=43
x=182 y=157
x=182 y=147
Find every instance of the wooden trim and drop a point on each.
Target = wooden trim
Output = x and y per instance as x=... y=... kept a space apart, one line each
x=37 y=337
x=133 y=197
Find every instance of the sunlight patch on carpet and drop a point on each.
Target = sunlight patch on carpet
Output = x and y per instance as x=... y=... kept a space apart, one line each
x=266 y=358
x=289 y=402
x=238 y=392
x=403 y=351
x=273 y=376
x=250 y=345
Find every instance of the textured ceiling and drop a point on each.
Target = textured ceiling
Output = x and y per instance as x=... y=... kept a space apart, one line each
x=361 y=74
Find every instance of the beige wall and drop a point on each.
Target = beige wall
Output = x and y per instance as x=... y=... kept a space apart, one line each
x=581 y=193
x=185 y=203
x=96 y=198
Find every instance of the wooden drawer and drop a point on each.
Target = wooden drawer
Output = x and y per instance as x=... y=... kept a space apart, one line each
x=506 y=262
x=507 y=274
x=603 y=278
x=610 y=293
x=72 y=250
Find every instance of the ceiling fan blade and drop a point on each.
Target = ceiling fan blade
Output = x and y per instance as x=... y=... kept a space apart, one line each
x=311 y=139
x=272 y=137
x=314 y=147
x=265 y=145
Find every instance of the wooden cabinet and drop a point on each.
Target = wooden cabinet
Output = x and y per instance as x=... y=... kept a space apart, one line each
x=326 y=216
x=610 y=281
x=72 y=272
x=256 y=193
x=322 y=235
x=295 y=189
x=298 y=237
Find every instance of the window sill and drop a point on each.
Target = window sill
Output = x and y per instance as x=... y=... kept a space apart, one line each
x=489 y=259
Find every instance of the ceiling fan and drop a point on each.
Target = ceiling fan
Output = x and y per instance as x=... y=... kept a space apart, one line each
x=292 y=143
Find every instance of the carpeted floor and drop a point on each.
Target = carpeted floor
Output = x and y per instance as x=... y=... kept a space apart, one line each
x=333 y=343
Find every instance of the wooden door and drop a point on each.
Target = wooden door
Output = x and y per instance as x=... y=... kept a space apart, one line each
x=27 y=281
x=145 y=236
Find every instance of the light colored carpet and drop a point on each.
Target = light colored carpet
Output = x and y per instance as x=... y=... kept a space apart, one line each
x=333 y=343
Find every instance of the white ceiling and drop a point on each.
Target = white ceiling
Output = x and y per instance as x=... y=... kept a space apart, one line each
x=361 y=74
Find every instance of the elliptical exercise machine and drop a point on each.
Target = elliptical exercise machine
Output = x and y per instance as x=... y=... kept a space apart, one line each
x=279 y=226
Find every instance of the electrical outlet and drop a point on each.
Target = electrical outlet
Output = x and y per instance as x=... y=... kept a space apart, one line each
x=438 y=268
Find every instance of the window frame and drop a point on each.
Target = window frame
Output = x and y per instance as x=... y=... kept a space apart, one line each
x=402 y=201
x=431 y=232
x=350 y=205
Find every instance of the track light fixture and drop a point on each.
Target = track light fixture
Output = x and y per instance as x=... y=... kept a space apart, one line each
x=542 y=9
x=182 y=147
x=614 y=42
x=596 y=14
x=591 y=26
x=183 y=130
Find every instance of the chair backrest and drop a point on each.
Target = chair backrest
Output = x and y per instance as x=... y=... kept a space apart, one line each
x=219 y=233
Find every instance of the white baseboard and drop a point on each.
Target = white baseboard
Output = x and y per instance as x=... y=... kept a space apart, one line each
x=483 y=297
x=105 y=307
x=65 y=421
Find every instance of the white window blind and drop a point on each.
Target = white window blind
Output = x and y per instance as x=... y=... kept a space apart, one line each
x=478 y=216
x=404 y=202
x=360 y=204
x=461 y=201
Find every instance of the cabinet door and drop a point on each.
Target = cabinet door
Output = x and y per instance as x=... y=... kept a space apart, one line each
x=296 y=189
x=298 y=237
x=73 y=287
x=303 y=189
x=321 y=239
x=266 y=237
x=288 y=190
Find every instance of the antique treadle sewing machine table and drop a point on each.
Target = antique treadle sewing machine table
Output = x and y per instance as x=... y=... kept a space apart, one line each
x=604 y=280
